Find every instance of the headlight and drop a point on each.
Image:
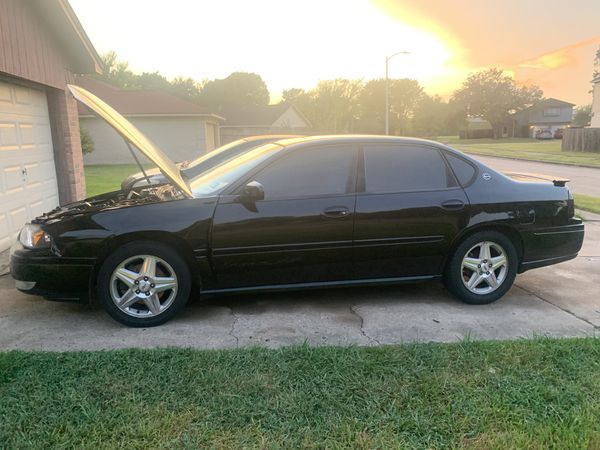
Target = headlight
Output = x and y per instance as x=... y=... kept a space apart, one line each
x=32 y=236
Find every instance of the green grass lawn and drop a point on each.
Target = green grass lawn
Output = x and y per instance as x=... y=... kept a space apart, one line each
x=106 y=178
x=521 y=148
x=534 y=394
x=587 y=203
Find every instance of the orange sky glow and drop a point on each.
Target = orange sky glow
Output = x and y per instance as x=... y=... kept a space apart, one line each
x=294 y=43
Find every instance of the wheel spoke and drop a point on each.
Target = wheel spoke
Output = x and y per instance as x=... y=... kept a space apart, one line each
x=491 y=280
x=498 y=261
x=149 y=267
x=164 y=284
x=474 y=281
x=126 y=276
x=471 y=263
x=127 y=299
x=153 y=303
x=485 y=252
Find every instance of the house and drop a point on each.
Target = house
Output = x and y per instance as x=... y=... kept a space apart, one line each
x=476 y=128
x=596 y=104
x=268 y=119
x=182 y=129
x=548 y=114
x=42 y=46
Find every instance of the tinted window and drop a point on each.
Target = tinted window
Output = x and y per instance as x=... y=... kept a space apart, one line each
x=462 y=169
x=309 y=172
x=390 y=168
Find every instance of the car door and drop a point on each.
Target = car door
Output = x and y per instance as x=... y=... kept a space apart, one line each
x=301 y=232
x=408 y=210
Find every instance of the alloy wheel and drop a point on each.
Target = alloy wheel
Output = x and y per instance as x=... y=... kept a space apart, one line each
x=143 y=286
x=484 y=267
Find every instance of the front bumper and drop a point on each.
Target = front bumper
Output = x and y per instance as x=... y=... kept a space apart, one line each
x=543 y=247
x=40 y=272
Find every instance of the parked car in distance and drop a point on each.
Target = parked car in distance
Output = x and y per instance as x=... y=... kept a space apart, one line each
x=322 y=211
x=544 y=134
x=558 y=134
x=194 y=168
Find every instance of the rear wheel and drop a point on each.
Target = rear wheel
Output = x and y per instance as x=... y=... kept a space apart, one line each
x=144 y=284
x=483 y=268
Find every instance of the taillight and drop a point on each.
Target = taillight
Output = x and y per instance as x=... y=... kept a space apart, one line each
x=570 y=206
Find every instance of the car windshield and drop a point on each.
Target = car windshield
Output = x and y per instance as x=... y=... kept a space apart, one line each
x=218 y=156
x=216 y=179
x=212 y=154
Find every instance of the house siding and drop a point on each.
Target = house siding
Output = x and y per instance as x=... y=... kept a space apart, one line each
x=181 y=138
x=29 y=51
x=564 y=117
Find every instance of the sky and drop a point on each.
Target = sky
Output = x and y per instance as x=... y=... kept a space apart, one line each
x=296 y=43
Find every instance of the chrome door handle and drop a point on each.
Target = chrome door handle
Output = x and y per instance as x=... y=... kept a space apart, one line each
x=453 y=204
x=336 y=211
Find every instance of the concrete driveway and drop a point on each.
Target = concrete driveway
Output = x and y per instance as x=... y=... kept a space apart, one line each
x=561 y=300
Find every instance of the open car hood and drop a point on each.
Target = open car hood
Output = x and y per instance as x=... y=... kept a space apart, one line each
x=133 y=135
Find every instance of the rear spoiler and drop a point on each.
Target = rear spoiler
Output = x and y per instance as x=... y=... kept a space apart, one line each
x=556 y=181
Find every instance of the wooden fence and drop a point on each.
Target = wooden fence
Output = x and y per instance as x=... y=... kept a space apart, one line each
x=581 y=140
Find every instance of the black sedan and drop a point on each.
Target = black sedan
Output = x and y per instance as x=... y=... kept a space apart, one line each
x=307 y=212
x=191 y=169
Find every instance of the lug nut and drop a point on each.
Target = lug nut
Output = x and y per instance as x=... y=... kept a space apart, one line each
x=487 y=273
x=479 y=266
x=145 y=278
x=136 y=282
x=147 y=293
x=137 y=291
x=152 y=285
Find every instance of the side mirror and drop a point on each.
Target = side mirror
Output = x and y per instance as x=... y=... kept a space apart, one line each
x=252 y=192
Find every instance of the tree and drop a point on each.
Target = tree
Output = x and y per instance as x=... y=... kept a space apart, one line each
x=238 y=89
x=334 y=105
x=493 y=96
x=405 y=95
x=186 y=87
x=87 y=143
x=434 y=117
x=117 y=72
x=583 y=116
x=596 y=73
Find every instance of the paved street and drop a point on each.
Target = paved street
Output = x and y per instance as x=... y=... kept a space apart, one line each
x=561 y=300
x=584 y=180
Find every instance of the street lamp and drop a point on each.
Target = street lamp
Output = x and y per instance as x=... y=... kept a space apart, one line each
x=387 y=91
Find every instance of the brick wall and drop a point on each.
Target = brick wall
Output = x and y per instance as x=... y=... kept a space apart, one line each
x=68 y=156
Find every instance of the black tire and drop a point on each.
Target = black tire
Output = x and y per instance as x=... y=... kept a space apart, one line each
x=453 y=275
x=131 y=250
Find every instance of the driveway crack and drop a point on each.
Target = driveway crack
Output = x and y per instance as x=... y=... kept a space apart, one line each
x=596 y=327
x=362 y=322
x=233 y=324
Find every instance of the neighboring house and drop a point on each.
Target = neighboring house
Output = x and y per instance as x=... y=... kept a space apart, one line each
x=549 y=114
x=596 y=104
x=42 y=44
x=270 y=119
x=182 y=129
x=476 y=128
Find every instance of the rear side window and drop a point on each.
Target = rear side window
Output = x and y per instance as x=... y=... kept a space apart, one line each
x=398 y=168
x=462 y=169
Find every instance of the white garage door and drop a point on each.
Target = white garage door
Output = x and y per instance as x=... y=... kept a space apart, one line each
x=27 y=175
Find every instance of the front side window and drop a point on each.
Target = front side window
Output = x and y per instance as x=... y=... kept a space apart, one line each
x=310 y=172
x=400 y=168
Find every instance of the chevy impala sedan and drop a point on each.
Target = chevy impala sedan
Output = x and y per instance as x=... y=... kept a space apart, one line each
x=297 y=213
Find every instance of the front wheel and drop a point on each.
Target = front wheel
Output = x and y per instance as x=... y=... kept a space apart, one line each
x=144 y=284
x=482 y=268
